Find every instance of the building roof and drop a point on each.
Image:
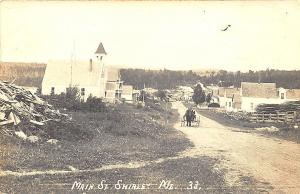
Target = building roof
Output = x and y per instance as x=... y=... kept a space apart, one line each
x=100 y=49
x=293 y=94
x=221 y=92
x=113 y=74
x=110 y=86
x=231 y=92
x=64 y=73
x=259 y=90
x=227 y=92
x=127 y=89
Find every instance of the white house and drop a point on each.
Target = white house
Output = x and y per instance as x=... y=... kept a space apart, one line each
x=90 y=76
x=128 y=93
x=250 y=95
x=113 y=86
x=229 y=98
x=292 y=94
x=253 y=94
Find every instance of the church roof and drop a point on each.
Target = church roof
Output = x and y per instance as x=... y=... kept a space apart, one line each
x=60 y=73
x=100 y=49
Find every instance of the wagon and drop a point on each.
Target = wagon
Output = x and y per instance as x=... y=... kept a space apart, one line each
x=195 y=122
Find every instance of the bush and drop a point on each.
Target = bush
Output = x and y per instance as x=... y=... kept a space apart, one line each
x=93 y=104
x=214 y=105
x=139 y=105
x=162 y=95
x=71 y=101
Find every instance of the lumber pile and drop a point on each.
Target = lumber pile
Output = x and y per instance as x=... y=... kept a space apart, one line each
x=288 y=112
x=18 y=106
x=273 y=108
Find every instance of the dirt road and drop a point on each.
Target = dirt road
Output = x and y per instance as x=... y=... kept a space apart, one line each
x=266 y=159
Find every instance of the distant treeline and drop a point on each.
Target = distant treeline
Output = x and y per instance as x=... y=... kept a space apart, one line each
x=31 y=74
x=282 y=78
x=160 y=79
x=24 y=74
x=167 y=79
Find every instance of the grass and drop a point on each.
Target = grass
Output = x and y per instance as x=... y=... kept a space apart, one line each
x=120 y=135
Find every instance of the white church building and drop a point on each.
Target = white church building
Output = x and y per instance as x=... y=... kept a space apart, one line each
x=91 y=77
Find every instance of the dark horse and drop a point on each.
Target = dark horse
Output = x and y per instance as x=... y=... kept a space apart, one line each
x=189 y=116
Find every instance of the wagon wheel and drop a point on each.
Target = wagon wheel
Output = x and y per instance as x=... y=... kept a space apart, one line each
x=198 y=122
x=182 y=122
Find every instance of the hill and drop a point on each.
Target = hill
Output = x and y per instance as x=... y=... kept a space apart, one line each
x=23 y=74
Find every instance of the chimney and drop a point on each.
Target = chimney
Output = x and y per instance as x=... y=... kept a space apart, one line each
x=91 y=65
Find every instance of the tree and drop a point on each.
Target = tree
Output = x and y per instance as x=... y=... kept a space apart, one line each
x=199 y=95
x=72 y=98
x=93 y=104
x=162 y=95
x=208 y=98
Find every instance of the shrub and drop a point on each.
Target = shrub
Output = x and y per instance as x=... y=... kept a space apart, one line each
x=214 y=105
x=93 y=104
x=71 y=101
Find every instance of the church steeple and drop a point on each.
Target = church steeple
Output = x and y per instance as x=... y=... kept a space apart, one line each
x=100 y=52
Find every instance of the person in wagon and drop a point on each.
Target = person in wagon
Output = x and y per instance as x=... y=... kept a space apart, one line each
x=194 y=115
x=189 y=116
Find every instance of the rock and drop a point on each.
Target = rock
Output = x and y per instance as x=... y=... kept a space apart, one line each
x=52 y=141
x=268 y=129
x=21 y=135
x=72 y=168
x=33 y=139
x=296 y=126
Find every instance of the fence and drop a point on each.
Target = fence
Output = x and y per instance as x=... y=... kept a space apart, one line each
x=279 y=117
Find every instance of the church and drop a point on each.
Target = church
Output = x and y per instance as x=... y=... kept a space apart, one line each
x=90 y=76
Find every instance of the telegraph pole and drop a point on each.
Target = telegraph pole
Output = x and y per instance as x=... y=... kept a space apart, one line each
x=0 y=33
x=73 y=60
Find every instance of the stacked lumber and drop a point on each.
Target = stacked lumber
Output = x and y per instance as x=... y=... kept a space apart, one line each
x=291 y=106
x=268 y=108
x=288 y=112
x=273 y=108
x=18 y=106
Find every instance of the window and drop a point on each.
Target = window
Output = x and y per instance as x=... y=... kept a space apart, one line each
x=229 y=104
x=117 y=95
x=282 y=95
x=252 y=106
x=52 y=91
x=82 y=91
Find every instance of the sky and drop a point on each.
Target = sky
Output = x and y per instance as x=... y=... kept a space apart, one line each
x=173 y=35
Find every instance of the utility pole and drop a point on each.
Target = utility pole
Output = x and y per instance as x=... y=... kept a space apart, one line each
x=144 y=95
x=0 y=33
x=73 y=60
x=166 y=115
